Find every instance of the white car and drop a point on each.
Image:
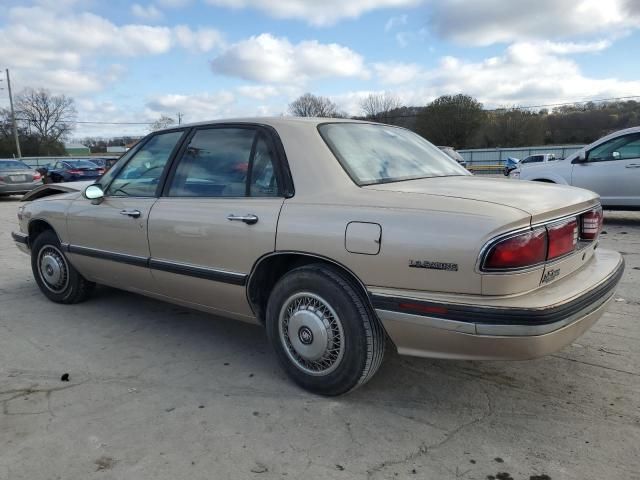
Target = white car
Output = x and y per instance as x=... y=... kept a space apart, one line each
x=609 y=166
x=538 y=158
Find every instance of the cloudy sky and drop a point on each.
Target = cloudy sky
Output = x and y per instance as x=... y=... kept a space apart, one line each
x=132 y=62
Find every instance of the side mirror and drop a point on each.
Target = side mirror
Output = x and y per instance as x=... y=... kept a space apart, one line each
x=93 y=192
x=581 y=158
x=615 y=155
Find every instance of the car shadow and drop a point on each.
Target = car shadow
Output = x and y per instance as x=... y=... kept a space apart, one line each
x=238 y=357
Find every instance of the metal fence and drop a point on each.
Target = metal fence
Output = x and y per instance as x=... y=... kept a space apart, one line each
x=43 y=161
x=498 y=156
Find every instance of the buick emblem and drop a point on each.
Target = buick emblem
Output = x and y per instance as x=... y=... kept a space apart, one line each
x=305 y=335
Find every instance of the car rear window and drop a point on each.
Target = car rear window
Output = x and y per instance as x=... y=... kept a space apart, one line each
x=13 y=165
x=81 y=163
x=373 y=153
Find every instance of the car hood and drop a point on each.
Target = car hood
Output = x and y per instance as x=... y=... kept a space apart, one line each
x=56 y=189
x=542 y=201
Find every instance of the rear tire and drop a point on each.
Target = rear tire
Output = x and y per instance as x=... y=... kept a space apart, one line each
x=56 y=277
x=325 y=335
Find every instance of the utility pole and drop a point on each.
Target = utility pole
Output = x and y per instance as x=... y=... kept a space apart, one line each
x=13 y=116
x=179 y=118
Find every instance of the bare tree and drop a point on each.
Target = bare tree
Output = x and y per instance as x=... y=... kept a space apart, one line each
x=49 y=116
x=163 y=122
x=377 y=106
x=309 y=105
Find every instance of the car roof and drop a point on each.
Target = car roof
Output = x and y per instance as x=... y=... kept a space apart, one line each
x=271 y=121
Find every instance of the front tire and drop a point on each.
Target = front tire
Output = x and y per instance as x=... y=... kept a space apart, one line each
x=325 y=335
x=56 y=277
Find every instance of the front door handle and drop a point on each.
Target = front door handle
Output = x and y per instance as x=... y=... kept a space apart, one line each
x=249 y=218
x=131 y=213
x=633 y=165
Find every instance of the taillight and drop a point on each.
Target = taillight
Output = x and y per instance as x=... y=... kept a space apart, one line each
x=523 y=250
x=74 y=172
x=101 y=171
x=563 y=238
x=591 y=224
x=36 y=176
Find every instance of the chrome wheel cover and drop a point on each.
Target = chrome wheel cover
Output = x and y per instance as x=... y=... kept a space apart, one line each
x=53 y=269
x=311 y=333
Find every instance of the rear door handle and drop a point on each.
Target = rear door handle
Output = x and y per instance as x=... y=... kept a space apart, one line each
x=633 y=165
x=131 y=213
x=249 y=218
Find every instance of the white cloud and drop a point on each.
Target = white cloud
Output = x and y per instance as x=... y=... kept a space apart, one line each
x=396 y=73
x=269 y=59
x=196 y=107
x=483 y=22
x=316 y=12
x=61 y=50
x=395 y=22
x=150 y=12
x=202 y=39
x=527 y=73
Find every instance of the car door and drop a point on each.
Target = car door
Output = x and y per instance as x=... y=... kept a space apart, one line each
x=217 y=216
x=108 y=238
x=612 y=169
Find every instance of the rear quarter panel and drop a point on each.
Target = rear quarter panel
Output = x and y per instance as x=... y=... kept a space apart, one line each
x=453 y=235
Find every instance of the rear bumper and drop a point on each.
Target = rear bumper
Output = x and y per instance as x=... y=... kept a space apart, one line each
x=516 y=327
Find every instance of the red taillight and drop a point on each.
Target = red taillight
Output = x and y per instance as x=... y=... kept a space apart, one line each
x=74 y=172
x=36 y=176
x=563 y=238
x=591 y=224
x=101 y=171
x=524 y=250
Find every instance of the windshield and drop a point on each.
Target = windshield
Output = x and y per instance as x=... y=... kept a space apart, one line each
x=373 y=153
x=13 y=165
x=453 y=154
x=81 y=163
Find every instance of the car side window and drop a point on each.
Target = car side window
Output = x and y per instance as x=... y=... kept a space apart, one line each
x=619 y=148
x=141 y=175
x=225 y=162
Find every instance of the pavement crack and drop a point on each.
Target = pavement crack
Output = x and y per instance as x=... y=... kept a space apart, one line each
x=596 y=365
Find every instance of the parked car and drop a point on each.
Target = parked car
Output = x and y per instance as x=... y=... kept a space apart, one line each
x=104 y=162
x=609 y=166
x=73 y=171
x=17 y=178
x=510 y=165
x=332 y=234
x=454 y=155
x=538 y=158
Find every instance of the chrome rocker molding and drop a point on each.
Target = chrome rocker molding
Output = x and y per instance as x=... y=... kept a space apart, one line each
x=497 y=320
x=206 y=273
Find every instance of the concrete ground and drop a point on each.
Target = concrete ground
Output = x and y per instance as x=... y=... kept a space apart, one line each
x=161 y=392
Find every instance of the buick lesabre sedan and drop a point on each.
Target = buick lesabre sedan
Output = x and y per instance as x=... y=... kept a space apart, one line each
x=334 y=235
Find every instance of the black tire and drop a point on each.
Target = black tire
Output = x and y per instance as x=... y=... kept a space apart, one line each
x=56 y=277
x=319 y=294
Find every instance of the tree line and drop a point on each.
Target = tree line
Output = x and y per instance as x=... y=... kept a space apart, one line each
x=461 y=121
x=44 y=121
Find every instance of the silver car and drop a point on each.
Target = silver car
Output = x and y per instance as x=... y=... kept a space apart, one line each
x=609 y=166
x=17 y=178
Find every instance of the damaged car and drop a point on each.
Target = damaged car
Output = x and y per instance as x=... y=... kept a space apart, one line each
x=334 y=235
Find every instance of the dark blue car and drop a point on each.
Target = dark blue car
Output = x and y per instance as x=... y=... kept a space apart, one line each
x=73 y=170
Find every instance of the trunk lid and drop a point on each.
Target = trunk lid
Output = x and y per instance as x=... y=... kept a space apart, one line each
x=542 y=201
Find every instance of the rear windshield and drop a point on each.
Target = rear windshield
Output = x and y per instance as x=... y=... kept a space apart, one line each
x=13 y=165
x=372 y=153
x=81 y=163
